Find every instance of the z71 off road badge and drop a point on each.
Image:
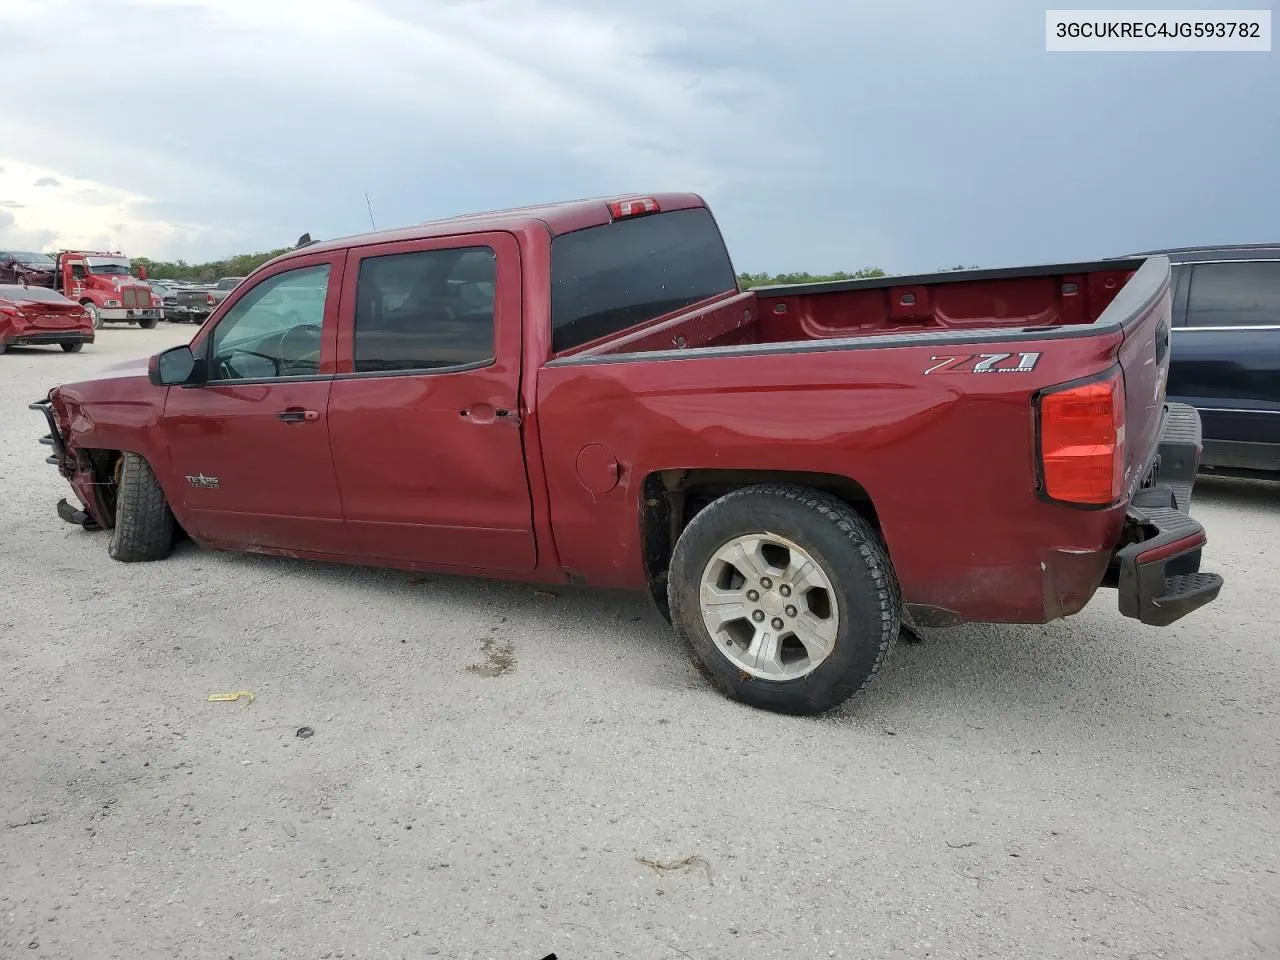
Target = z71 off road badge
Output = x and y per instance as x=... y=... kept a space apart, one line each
x=201 y=482
x=985 y=363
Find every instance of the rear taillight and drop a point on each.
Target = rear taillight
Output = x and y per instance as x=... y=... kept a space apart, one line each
x=1082 y=448
x=208 y=298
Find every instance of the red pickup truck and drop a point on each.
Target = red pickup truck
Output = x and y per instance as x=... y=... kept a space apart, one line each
x=581 y=393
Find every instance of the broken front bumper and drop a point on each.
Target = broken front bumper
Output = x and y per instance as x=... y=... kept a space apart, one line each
x=1157 y=574
x=81 y=481
x=60 y=457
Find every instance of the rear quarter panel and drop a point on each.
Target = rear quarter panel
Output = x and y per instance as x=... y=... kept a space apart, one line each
x=948 y=460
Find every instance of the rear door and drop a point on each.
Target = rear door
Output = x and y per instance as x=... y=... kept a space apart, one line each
x=252 y=444
x=1226 y=359
x=424 y=414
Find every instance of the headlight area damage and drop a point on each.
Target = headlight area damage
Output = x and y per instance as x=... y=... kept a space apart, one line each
x=93 y=474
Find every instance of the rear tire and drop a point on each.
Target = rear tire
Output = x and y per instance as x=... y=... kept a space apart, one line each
x=144 y=527
x=817 y=571
x=72 y=347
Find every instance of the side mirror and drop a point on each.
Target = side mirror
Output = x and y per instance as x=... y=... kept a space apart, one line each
x=173 y=367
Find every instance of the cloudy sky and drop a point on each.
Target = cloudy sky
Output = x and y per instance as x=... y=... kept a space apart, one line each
x=827 y=134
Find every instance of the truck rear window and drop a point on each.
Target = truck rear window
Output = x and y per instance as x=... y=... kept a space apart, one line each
x=609 y=278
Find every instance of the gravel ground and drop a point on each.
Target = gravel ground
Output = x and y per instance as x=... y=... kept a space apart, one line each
x=491 y=765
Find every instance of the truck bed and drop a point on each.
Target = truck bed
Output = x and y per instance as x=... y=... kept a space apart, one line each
x=913 y=395
x=1038 y=300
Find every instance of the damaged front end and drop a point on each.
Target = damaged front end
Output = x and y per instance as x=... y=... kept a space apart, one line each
x=82 y=470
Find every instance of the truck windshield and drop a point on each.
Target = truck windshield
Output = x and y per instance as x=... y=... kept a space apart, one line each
x=108 y=268
x=609 y=278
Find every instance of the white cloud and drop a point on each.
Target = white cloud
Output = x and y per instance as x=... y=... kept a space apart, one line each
x=826 y=134
x=263 y=112
x=44 y=211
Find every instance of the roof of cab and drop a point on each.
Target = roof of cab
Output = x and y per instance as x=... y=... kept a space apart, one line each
x=555 y=218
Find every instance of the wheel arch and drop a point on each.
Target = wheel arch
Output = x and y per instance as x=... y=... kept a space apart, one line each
x=671 y=498
x=104 y=464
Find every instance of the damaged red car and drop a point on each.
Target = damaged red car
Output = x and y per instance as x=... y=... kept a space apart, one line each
x=32 y=316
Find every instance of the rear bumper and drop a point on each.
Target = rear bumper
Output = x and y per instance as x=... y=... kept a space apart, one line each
x=33 y=338
x=1157 y=571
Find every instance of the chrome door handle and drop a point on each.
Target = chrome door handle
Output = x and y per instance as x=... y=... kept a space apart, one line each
x=298 y=415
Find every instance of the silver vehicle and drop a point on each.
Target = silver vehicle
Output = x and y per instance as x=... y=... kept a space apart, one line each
x=194 y=304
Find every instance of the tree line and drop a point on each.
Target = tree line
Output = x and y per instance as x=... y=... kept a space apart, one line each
x=244 y=264
x=238 y=266
x=749 y=280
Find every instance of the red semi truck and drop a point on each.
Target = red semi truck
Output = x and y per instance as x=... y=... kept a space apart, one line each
x=103 y=283
x=581 y=393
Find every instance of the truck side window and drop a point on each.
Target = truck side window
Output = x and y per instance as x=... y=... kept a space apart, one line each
x=274 y=330
x=425 y=310
x=1235 y=294
x=77 y=271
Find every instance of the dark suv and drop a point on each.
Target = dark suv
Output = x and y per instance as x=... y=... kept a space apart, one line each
x=1226 y=352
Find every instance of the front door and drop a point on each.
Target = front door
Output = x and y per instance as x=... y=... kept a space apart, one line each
x=251 y=445
x=423 y=416
x=75 y=278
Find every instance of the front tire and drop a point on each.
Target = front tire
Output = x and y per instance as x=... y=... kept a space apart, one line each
x=95 y=313
x=147 y=323
x=144 y=527
x=786 y=596
x=72 y=347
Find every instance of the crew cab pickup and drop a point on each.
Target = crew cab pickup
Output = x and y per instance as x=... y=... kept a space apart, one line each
x=581 y=393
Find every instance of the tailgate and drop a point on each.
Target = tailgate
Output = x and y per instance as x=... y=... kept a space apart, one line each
x=1144 y=310
x=1156 y=566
